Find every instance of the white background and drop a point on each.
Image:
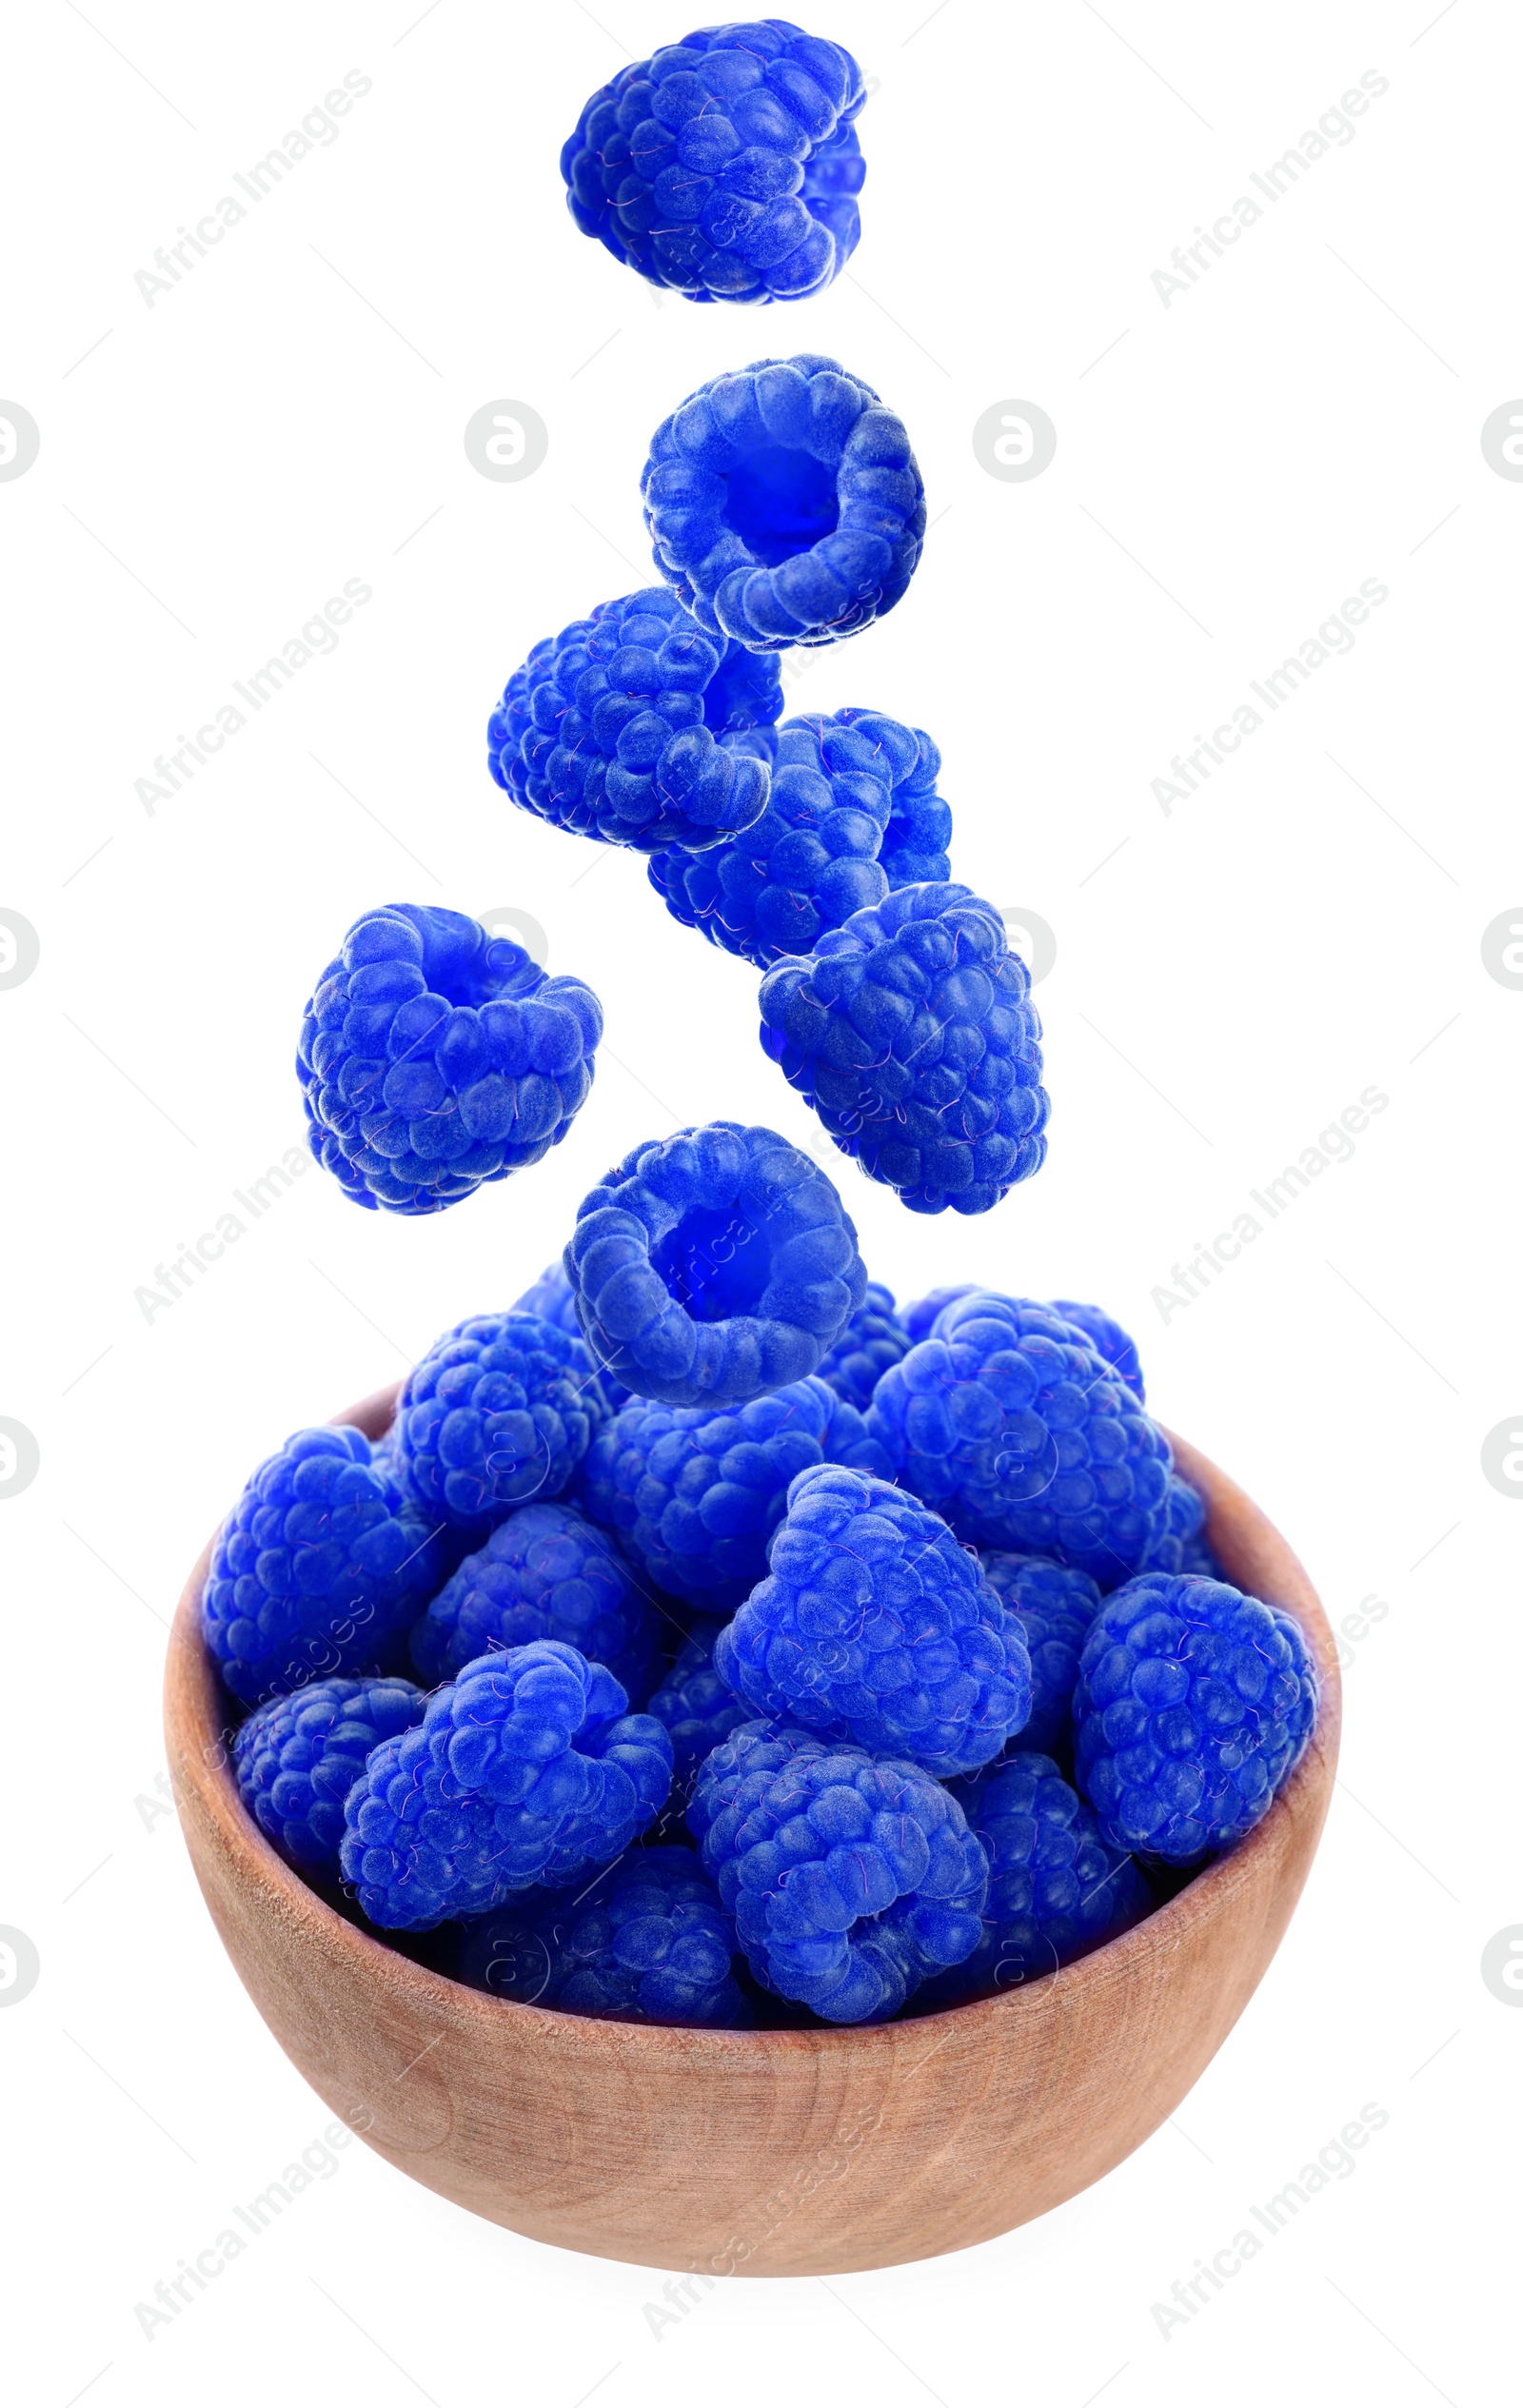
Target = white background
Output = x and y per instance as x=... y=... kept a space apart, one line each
x=1228 y=978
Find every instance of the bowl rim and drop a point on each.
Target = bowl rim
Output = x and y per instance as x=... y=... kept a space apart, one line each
x=192 y=1710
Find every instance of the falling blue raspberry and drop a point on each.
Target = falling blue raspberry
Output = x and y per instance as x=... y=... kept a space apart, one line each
x=875 y=1626
x=612 y=728
x=648 y=1942
x=693 y=1493
x=434 y=1058
x=524 y=1771
x=784 y=504
x=1054 y=1606
x=320 y=1567
x=714 y=1266
x=696 y=1706
x=297 y=1758
x=1012 y=1425
x=1108 y=1338
x=873 y=1338
x=1193 y=1705
x=499 y=1412
x=1057 y=1888
x=912 y=1033
x=817 y=854
x=727 y=165
x=546 y=1573
x=851 y=1880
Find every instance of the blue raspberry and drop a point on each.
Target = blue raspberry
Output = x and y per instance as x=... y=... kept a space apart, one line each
x=693 y=1493
x=383 y=1456
x=875 y=1626
x=873 y=1338
x=1179 y=1546
x=500 y=1411
x=297 y=1758
x=752 y=1754
x=784 y=504
x=1108 y=1338
x=1012 y=1425
x=553 y=1299
x=814 y=858
x=611 y=729
x=546 y=1573
x=911 y=1031
x=322 y=1567
x=696 y=1706
x=850 y=1879
x=726 y=166
x=434 y=1058
x=1193 y=1705
x=916 y=844
x=1200 y=1557
x=1054 y=1606
x=760 y=742
x=714 y=1266
x=524 y=1769
x=920 y=1318
x=1057 y=1888
x=648 y=1943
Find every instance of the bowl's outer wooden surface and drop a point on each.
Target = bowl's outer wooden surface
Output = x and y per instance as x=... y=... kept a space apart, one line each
x=780 y=2153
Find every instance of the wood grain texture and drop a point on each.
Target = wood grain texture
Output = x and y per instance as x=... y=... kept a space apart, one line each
x=768 y=2153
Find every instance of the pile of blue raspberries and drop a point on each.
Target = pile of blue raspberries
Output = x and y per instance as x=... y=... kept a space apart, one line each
x=888 y=1685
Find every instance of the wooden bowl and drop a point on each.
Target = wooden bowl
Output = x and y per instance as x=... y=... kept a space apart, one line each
x=771 y=2153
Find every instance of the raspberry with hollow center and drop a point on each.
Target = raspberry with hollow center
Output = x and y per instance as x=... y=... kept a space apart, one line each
x=784 y=504
x=434 y=1058
x=714 y=1266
